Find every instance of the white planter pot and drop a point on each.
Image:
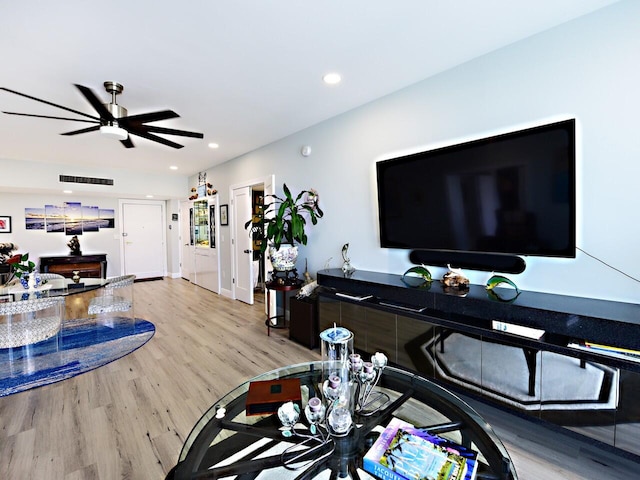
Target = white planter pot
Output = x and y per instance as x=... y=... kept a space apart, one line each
x=284 y=258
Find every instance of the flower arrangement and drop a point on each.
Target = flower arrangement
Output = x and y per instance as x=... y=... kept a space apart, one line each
x=19 y=265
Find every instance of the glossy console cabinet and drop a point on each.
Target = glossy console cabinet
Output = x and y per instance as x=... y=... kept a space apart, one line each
x=452 y=340
x=376 y=330
x=627 y=433
x=411 y=336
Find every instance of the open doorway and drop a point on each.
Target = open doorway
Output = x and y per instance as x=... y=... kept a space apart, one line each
x=246 y=273
x=259 y=267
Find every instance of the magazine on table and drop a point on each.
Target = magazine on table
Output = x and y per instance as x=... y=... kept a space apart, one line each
x=404 y=452
x=617 y=352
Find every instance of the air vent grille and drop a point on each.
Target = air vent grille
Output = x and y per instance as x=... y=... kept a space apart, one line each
x=91 y=180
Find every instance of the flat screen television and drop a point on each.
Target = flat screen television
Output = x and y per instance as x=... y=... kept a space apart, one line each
x=512 y=193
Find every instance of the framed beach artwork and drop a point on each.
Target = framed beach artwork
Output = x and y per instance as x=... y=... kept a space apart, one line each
x=34 y=218
x=73 y=218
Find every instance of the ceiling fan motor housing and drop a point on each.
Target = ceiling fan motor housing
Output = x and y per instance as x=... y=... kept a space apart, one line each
x=114 y=88
x=116 y=110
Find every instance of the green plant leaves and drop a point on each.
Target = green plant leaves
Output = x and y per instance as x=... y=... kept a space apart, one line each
x=287 y=225
x=24 y=266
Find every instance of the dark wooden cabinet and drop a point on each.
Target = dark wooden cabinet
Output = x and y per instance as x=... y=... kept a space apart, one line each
x=303 y=321
x=89 y=266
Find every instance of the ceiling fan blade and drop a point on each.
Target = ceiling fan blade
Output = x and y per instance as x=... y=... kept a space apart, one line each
x=127 y=143
x=151 y=116
x=50 y=103
x=155 y=138
x=171 y=131
x=84 y=130
x=95 y=102
x=53 y=118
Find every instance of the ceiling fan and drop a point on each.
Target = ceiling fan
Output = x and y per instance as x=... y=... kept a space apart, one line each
x=113 y=120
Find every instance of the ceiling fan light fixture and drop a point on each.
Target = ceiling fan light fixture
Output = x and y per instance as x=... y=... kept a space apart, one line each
x=112 y=131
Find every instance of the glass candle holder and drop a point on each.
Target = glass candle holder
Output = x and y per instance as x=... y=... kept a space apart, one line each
x=340 y=421
x=336 y=346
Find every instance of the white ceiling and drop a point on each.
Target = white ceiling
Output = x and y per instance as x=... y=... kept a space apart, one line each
x=243 y=72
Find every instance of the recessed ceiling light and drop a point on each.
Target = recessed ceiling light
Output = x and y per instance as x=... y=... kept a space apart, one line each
x=213 y=145
x=332 y=78
x=173 y=167
x=67 y=191
x=149 y=196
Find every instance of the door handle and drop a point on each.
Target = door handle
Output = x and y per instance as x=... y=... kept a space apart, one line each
x=247 y=251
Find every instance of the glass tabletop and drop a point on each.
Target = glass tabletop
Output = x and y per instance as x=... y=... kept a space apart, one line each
x=50 y=288
x=226 y=442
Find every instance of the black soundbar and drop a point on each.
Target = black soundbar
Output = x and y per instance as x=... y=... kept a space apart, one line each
x=486 y=262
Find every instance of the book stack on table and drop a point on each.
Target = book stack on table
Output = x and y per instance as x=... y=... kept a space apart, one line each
x=404 y=452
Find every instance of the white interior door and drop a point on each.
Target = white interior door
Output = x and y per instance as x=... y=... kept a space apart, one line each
x=143 y=238
x=243 y=254
x=186 y=246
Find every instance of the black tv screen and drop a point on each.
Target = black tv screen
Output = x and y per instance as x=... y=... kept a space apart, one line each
x=512 y=193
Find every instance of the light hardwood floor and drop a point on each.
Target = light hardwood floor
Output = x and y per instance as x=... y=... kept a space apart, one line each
x=129 y=419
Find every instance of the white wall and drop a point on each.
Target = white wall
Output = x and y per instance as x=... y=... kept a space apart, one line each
x=39 y=243
x=585 y=69
x=173 y=239
x=41 y=180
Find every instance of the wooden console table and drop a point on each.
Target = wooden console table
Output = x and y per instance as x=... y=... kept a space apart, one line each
x=89 y=266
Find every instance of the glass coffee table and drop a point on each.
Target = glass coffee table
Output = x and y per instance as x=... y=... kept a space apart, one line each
x=227 y=443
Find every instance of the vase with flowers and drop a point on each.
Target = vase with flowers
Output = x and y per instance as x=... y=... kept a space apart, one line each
x=22 y=268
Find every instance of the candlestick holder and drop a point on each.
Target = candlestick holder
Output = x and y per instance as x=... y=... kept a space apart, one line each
x=364 y=376
x=347 y=390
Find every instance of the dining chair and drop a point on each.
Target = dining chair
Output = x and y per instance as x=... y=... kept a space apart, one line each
x=115 y=303
x=25 y=322
x=51 y=276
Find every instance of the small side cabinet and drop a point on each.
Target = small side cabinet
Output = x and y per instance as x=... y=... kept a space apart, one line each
x=303 y=321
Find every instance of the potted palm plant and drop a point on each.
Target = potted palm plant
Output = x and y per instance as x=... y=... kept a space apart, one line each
x=281 y=225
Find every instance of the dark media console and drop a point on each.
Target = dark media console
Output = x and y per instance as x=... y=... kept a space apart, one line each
x=526 y=354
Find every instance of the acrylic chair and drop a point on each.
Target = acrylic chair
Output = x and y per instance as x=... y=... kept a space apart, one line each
x=26 y=322
x=116 y=302
x=55 y=281
x=51 y=276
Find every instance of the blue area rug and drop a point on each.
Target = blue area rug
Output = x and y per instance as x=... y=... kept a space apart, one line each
x=82 y=345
